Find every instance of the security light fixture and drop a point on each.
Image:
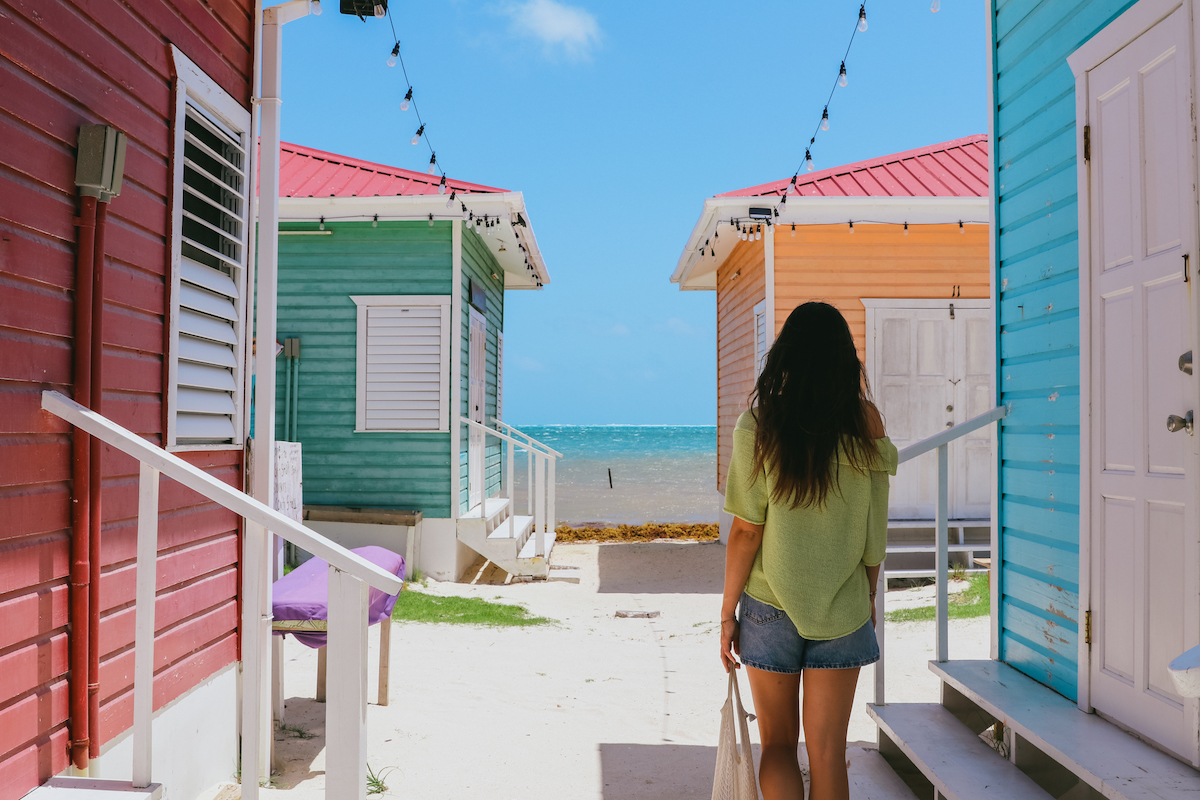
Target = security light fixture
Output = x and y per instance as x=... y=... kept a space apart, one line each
x=364 y=8
x=760 y=213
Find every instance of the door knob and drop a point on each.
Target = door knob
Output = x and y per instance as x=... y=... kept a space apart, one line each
x=1185 y=363
x=949 y=408
x=949 y=424
x=1176 y=423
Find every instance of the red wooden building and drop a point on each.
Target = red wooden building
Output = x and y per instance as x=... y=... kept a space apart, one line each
x=175 y=77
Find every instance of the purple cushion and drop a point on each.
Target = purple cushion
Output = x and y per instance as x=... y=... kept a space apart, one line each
x=303 y=594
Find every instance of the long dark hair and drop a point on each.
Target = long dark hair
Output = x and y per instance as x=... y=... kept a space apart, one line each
x=811 y=397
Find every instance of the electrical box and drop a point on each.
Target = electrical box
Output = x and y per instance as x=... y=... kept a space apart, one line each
x=100 y=163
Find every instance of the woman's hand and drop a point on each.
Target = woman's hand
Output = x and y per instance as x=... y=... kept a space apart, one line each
x=729 y=644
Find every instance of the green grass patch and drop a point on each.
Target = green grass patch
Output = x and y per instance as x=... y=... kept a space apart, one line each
x=974 y=601
x=421 y=607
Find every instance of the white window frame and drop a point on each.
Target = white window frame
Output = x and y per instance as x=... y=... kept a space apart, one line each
x=192 y=84
x=364 y=302
x=760 y=347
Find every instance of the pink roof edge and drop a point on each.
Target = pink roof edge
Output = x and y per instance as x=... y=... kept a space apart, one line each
x=958 y=168
x=309 y=172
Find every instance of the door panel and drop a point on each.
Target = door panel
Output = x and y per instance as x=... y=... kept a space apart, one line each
x=477 y=374
x=930 y=372
x=1143 y=222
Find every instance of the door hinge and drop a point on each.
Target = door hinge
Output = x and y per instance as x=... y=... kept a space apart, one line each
x=1186 y=259
x=1087 y=627
x=952 y=311
x=1087 y=142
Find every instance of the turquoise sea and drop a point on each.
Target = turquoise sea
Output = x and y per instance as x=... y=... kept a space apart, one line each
x=659 y=473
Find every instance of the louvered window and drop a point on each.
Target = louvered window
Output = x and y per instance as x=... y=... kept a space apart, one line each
x=209 y=293
x=760 y=337
x=403 y=363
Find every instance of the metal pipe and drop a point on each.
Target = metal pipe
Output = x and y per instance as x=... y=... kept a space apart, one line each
x=80 y=492
x=95 y=459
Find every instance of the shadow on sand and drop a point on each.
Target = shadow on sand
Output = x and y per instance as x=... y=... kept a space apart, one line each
x=662 y=568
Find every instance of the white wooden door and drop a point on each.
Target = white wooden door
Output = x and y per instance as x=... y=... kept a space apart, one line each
x=930 y=371
x=1143 y=522
x=476 y=397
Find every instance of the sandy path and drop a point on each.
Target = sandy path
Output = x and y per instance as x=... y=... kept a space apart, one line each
x=594 y=708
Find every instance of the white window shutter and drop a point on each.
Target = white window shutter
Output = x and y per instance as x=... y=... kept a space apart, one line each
x=760 y=337
x=403 y=357
x=211 y=264
x=499 y=375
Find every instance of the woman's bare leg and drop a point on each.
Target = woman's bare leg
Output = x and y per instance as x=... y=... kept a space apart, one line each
x=777 y=706
x=828 y=700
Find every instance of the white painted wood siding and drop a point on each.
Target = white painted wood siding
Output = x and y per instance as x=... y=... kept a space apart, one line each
x=403 y=363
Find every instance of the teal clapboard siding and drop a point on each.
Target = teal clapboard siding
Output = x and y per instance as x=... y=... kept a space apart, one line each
x=317 y=276
x=478 y=265
x=1035 y=196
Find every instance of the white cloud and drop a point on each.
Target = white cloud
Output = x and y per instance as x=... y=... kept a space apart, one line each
x=557 y=25
x=528 y=364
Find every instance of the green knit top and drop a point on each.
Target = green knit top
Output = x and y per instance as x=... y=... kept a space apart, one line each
x=812 y=562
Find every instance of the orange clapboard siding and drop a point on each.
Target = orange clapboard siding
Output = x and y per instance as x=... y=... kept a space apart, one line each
x=828 y=263
x=736 y=298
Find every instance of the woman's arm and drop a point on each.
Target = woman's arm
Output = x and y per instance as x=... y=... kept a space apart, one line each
x=740 y=550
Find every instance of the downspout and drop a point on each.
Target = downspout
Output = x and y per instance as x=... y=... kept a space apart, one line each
x=80 y=491
x=94 y=481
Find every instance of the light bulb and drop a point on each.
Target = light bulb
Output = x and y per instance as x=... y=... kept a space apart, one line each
x=375 y=222
x=322 y=223
x=808 y=165
x=906 y=229
x=431 y=220
x=380 y=11
x=935 y=6
x=450 y=201
x=842 y=75
x=315 y=7
x=862 y=18
x=395 y=54
x=407 y=100
x=793 y=230
x=825 y=120
x=442 y=187
x=416 y=137
x=432 y=163
x=852 y=227
x=757 y=235
x=961 y=229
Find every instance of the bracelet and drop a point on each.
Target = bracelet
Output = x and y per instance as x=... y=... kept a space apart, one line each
x=874 y=593
x=731 y=619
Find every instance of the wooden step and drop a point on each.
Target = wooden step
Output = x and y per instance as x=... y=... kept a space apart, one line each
x=93 y=789
x=529 y=549
x=956 y=761
x=872 y=778
x=1103 y=756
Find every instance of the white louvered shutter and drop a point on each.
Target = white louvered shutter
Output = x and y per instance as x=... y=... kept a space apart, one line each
x=499 y=375
x=212 y=259
x=405 y=389
x=760 y=337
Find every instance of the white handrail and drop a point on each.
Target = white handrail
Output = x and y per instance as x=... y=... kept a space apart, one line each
x=541 y=461
x=349 y=575
x=941 y=443
x=218 y=491
x=533 y=441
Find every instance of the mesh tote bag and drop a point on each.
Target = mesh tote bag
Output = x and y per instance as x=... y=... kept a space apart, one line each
x=734 y=778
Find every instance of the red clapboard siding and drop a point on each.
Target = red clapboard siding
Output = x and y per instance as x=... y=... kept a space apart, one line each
x=64 y=63
x=116 y=714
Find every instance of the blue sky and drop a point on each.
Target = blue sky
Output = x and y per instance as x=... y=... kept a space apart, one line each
x=616 y=120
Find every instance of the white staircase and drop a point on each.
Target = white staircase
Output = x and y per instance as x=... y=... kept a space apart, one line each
x=506 y=539
x=518 y=544
x=1048 y=748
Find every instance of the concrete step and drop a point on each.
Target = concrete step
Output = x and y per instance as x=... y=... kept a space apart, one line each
x=1102 y=755
x=93 y=789
x=959 y=764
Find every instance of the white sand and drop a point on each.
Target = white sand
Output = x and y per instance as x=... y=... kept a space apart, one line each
x=596 y=707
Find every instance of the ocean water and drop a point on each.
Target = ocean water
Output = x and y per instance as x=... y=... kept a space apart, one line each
x=659 y=473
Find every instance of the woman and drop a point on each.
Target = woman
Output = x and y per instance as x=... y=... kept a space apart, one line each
x=808 y=489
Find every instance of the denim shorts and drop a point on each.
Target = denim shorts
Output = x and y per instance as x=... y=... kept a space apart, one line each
x=769 y=641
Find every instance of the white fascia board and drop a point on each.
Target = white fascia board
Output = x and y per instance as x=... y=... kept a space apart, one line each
x=501 y=205
x=699 y=273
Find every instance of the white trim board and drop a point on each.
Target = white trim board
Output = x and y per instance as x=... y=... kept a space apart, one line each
x=365 y=302
x=957 y=302
x=1136 y=20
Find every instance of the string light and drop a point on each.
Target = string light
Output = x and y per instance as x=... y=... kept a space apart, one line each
x=906 y=229
x=391 y=62
x=431 y=219
x=432 y=163
x=808 y=165
x=407 y=100
x=417 y=136
x=450 y=202
x=961 y=229
x=935 y=6
x=322 y=223
x=852 y=226
x=794 y=230
x=315 y=7
x=442 y=190
x=375 y=222
x=825 y=119
x=862 y=18
x=842 y=80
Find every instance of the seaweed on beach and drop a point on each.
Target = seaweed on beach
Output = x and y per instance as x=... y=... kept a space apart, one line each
x=638 y=533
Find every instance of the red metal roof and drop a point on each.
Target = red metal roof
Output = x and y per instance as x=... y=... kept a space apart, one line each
x=957 y=168
x=308 y=172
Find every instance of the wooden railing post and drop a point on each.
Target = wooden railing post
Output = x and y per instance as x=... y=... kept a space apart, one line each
x=529 y=481
x=508 y=489
x=539 y=501
x=346 y=707
x=550 y=523
x=943 y=555
x=143 y=647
